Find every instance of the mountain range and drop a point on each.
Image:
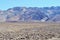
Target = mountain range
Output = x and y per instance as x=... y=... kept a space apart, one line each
x=36 y=14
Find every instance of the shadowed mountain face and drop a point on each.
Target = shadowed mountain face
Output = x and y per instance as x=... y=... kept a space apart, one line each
x=30 y=14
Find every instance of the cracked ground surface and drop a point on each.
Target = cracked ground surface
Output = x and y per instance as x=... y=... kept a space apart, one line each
x=30 y=31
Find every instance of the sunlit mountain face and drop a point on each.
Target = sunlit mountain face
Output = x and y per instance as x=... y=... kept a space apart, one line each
x=16 y=14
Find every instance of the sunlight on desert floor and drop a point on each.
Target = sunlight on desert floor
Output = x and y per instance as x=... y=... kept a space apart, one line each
x=29 y=31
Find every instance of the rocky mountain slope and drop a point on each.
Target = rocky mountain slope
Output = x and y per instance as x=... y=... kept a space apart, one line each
x=43 y=14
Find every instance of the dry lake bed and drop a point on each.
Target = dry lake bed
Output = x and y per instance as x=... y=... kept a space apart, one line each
x=29 y=31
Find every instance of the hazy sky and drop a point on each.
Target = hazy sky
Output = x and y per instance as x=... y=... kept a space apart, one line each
x=5 y=4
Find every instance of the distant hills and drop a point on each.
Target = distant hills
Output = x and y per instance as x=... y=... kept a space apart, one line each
x=17 y=14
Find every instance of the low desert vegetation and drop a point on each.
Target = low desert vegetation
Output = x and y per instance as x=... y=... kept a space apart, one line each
x=29 y=31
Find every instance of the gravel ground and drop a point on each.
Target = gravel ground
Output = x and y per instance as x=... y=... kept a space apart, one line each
x=30 y=34
x=50 y=32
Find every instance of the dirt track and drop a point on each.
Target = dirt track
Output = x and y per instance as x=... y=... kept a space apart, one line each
x=29 y=31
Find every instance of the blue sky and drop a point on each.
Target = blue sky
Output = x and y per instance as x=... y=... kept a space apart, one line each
x=5 y=4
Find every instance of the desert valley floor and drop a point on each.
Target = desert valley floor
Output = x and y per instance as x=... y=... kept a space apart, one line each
x=29 y=31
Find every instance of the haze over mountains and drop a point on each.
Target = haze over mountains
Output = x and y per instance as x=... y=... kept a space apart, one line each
x=16 y=14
